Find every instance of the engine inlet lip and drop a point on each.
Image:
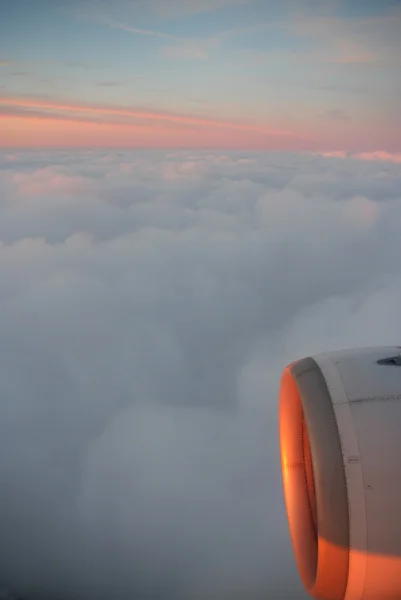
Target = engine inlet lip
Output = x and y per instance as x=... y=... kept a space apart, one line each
x=294 y=440
x=314 y=480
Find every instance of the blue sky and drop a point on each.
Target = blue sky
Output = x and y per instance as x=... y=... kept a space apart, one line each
x=306 y=68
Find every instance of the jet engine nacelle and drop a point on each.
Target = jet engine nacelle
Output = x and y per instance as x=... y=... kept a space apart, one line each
x=340 y=442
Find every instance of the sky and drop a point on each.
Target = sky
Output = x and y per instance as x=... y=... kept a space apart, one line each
x=149 y=302
x=307 y=75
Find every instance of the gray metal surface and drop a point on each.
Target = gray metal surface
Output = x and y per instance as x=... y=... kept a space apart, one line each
x=327 y=460
x=366 y=398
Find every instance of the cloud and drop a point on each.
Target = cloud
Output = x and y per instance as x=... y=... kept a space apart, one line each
x=180 y=47
x=379 y=155
x=166 y=9
x=75 y=110
x=187 y=8
x=187 y=48
x=41 y=122
x=335 y=154
x=139 y=31
x=365 y=40
x=108 y=83
x=185 y=52
x=338 y=114
x=325 y=37
x=149 y=303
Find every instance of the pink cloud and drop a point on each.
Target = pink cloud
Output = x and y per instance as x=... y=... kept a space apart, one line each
x=33 y=123
x=334 y=154
x=364 y=40
x=381 y=156
x=86 y=112
x=378 y=155
x=48 y=180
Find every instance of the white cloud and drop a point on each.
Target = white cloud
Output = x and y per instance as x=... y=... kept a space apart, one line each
x=186 y=51
x=148 y=305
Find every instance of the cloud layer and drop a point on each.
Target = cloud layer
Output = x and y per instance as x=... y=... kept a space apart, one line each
x=148 y=304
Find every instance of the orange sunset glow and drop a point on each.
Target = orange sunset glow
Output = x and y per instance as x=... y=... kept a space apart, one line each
x=56 y=124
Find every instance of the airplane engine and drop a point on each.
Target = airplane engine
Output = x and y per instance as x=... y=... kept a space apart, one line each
x=340 y=443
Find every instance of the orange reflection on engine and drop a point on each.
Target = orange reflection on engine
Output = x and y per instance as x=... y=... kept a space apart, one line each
x=323 y=566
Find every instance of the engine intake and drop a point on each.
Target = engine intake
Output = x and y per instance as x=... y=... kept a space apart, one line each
x=340 y=442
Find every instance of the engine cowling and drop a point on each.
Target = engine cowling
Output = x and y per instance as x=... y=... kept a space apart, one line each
x=340 y=443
